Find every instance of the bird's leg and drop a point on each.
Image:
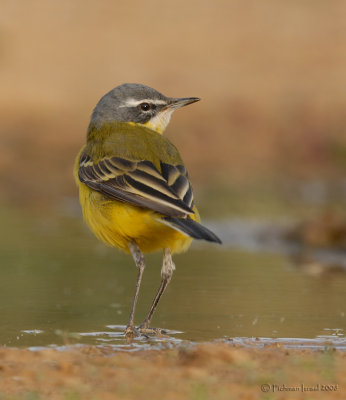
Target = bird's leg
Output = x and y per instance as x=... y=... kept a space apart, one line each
x=140 y=264
x=166 y=274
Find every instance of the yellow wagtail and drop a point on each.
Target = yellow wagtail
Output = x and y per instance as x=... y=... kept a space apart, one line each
x=134 y=190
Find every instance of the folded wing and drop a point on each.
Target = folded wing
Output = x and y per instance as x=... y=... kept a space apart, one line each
x=140 y=183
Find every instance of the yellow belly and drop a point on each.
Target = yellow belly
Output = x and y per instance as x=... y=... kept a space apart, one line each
x=118 y=223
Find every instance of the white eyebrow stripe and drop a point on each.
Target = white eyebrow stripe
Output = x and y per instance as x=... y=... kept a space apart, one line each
x=134 y=103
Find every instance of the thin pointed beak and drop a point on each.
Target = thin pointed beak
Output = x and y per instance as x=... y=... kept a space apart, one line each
x=181 y=102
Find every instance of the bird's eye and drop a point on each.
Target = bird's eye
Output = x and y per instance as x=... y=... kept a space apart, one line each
x=145 y=106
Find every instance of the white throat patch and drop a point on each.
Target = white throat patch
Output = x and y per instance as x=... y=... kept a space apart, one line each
x=160 y=121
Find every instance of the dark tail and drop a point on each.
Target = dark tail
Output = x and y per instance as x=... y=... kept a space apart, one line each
x=192 y=228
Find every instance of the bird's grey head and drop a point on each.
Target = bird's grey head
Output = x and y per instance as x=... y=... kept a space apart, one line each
x=133 y=102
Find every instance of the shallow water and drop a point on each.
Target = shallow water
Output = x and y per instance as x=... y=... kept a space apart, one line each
x=60 y=286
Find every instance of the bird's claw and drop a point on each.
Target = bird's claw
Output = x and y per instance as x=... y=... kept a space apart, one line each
x=146 y=331
x=131 y=331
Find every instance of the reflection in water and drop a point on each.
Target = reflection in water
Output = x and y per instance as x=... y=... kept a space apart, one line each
x=56 y=278
x=116 y=340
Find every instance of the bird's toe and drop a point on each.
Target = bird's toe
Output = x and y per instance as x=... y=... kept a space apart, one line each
x=131 y=332
x=147 y=331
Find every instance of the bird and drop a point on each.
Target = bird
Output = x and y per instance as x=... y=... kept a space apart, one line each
x=134 y=190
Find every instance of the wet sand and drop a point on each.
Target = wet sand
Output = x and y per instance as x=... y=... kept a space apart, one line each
x=205 y=371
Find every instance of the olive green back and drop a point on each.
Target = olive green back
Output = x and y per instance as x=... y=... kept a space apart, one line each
x=132 y=142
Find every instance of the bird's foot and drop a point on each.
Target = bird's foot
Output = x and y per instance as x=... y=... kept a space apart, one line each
x=147 y=331
x=131 y=332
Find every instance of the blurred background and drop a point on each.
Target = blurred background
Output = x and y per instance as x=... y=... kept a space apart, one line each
x=271 y=76
x=268 y=140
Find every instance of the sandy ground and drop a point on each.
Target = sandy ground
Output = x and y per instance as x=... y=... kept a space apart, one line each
x=207 y=371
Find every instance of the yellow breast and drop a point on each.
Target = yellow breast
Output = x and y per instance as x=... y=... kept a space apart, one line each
x=118 y=223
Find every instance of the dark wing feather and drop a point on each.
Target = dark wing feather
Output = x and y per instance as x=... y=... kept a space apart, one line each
x=177 y=178
x=192 y=228
x=140 y=183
